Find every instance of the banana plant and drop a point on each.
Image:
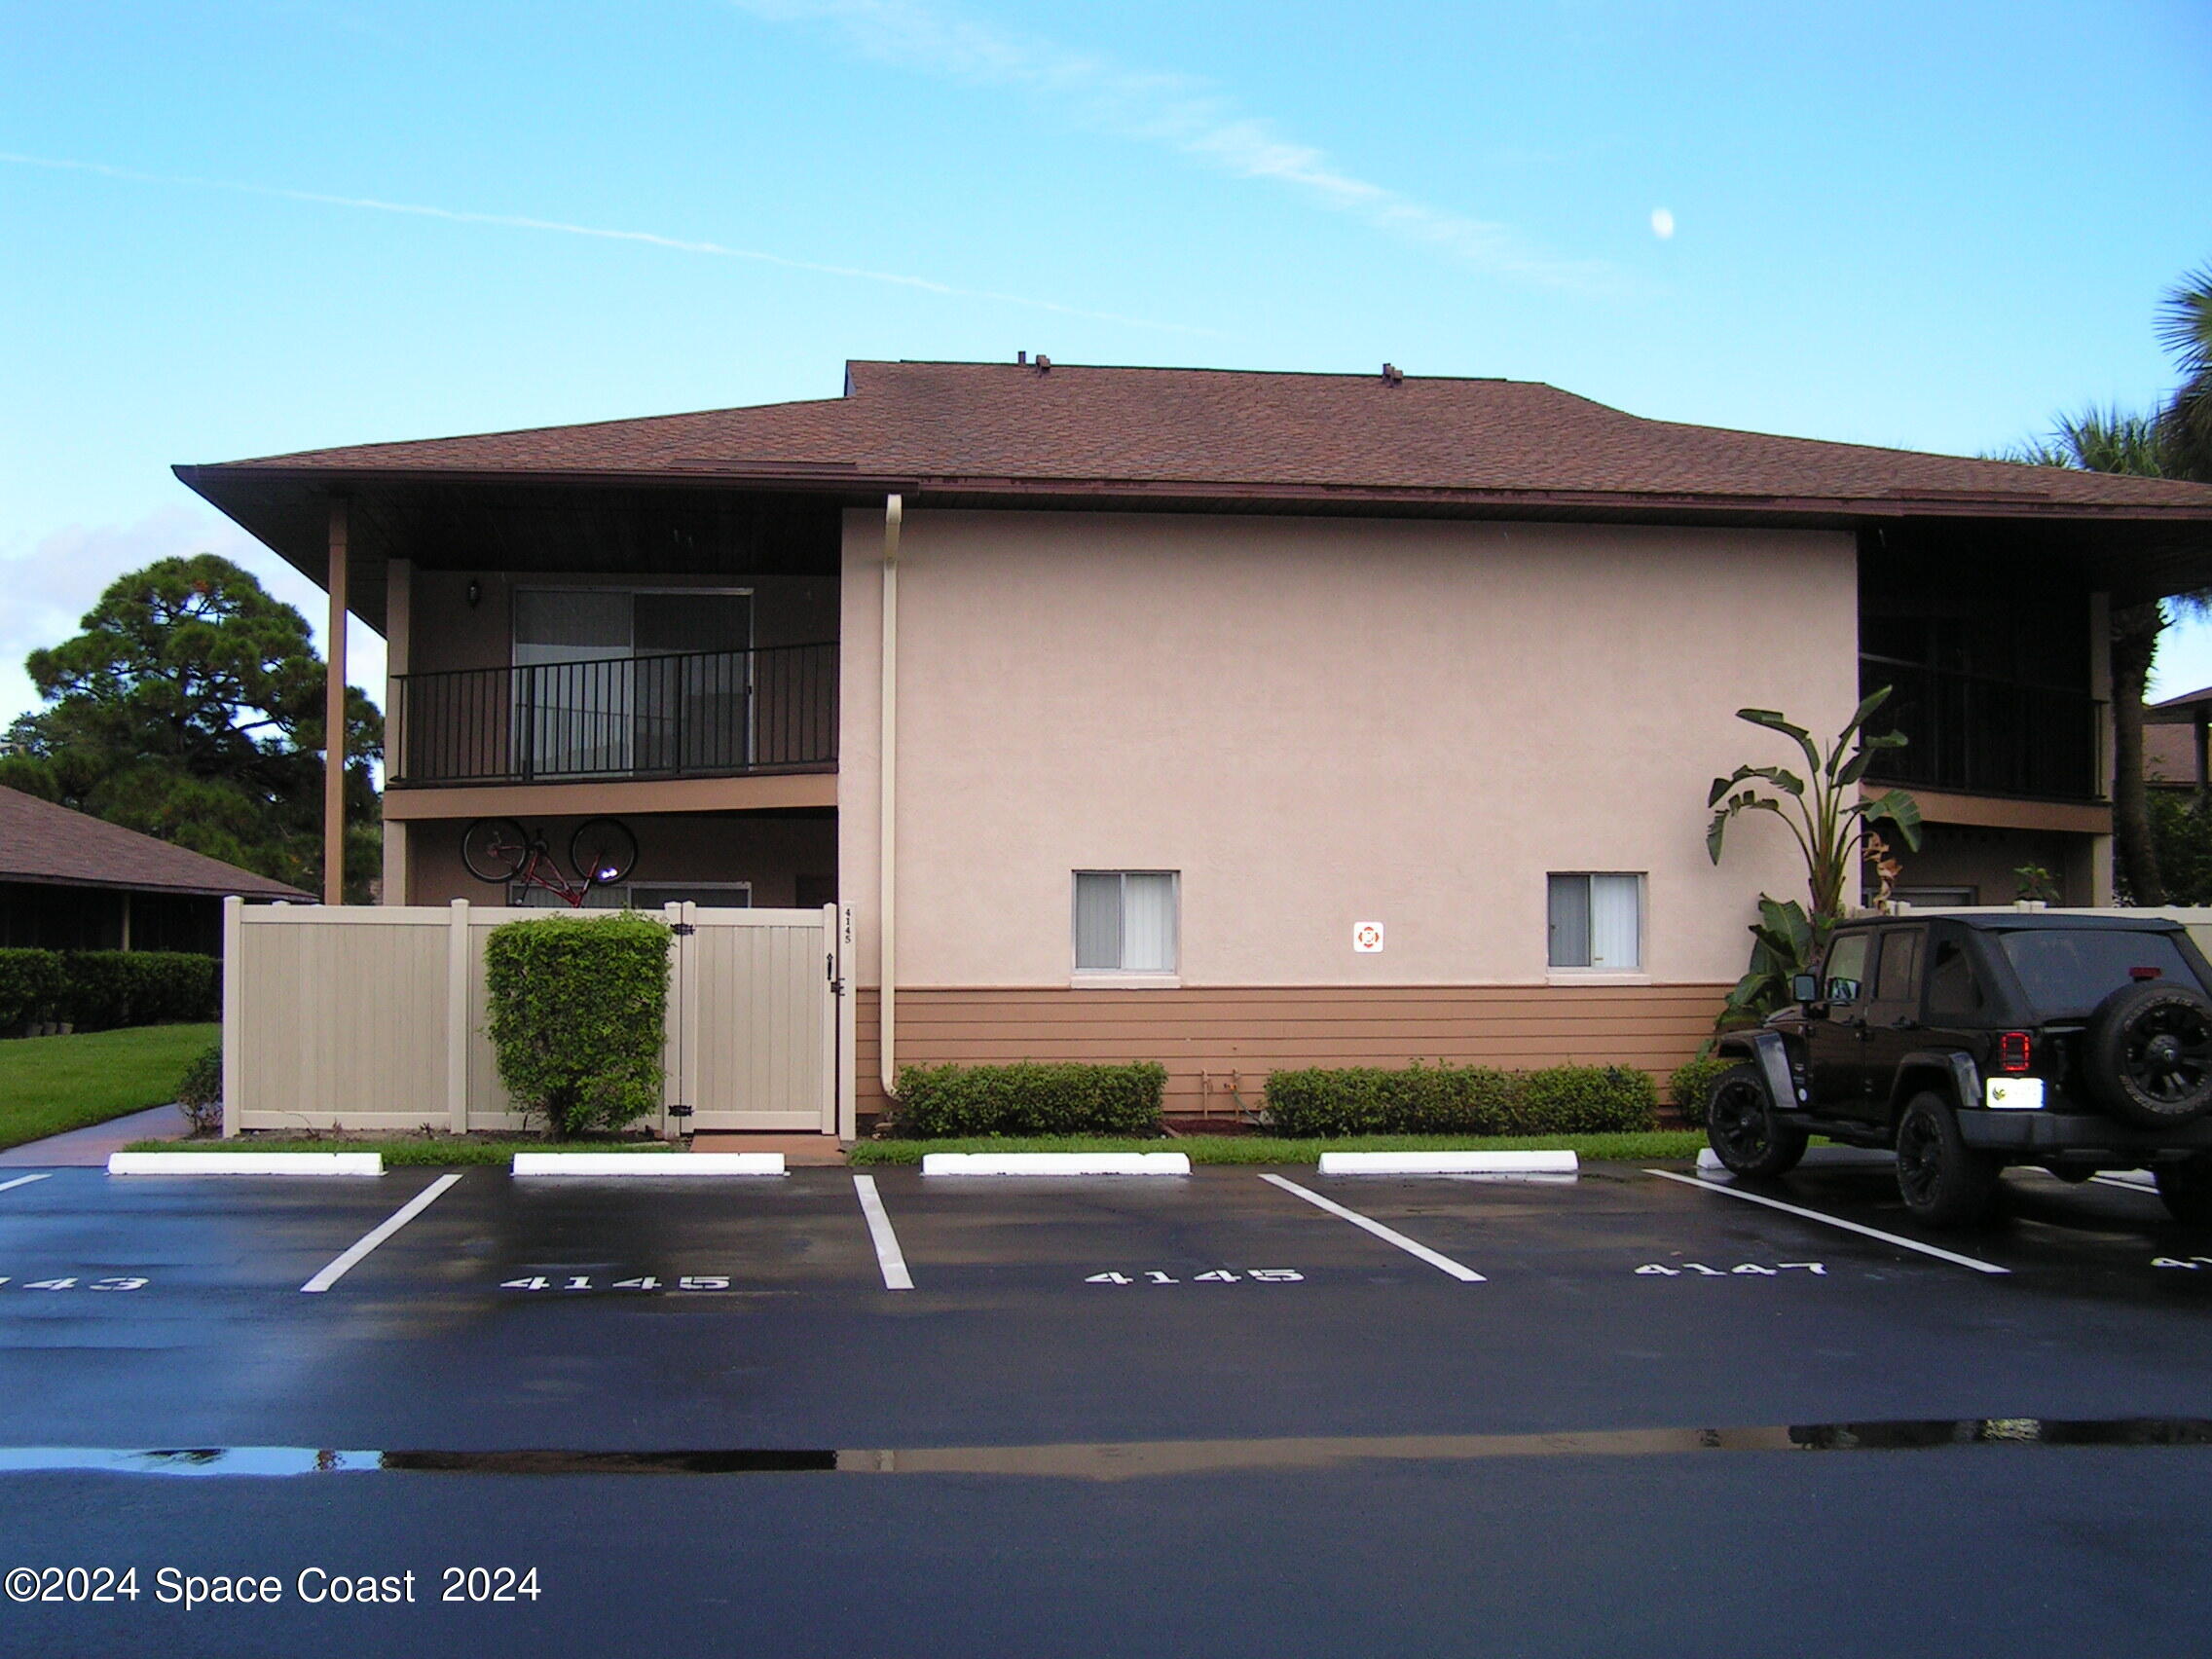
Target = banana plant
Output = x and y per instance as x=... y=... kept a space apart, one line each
x=1784 y=943
x=1831 y=822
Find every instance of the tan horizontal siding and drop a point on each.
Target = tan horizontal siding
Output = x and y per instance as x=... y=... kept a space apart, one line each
x=1217 y=1040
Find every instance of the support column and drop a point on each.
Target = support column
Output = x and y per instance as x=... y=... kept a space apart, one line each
x=334 y=718
x=887 y=810
x=399 y=620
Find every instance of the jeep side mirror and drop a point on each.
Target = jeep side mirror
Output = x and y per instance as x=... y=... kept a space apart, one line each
x=1805 y=987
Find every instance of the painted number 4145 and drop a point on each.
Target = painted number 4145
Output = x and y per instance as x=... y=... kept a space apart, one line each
x=1215 y=1277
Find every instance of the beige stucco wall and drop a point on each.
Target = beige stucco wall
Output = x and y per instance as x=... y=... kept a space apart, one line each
x=1323 y=722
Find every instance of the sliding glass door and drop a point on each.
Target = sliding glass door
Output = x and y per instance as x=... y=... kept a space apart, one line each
x=609 y=681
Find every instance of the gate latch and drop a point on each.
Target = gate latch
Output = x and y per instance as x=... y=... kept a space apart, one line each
x=683 y=929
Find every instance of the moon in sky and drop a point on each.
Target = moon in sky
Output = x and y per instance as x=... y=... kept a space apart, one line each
x=1662 y=223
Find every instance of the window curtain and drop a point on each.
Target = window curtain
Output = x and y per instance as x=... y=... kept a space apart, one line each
x=1616 y=904
x=1570 y=921
x=573 y=680
x=1147 y=924
x=1097 y=922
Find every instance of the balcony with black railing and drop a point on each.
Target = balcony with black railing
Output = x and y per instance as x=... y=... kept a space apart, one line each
x=694 y=714
x=1980 y=735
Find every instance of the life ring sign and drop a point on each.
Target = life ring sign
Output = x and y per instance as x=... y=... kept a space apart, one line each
x=1367 y=938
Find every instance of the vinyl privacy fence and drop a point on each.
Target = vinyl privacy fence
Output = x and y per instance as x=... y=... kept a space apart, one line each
x=373 y=1018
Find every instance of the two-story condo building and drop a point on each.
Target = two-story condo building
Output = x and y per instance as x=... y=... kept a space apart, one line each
x=1234 y=721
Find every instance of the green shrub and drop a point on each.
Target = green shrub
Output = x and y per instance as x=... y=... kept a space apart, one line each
x=578 y=1016
x=1585 y=1100
x=1365 y=1100
x=106 y=989
x=200 y=1091
x=1690 y=1086
x=1467 y=1100
x=1030 y=1099
x=30 y=987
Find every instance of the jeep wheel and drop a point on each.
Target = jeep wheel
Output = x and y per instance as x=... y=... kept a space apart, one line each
x=2148 y=1053
x=2187 y=1189
x=1945 y=1182
x=1741 y=1122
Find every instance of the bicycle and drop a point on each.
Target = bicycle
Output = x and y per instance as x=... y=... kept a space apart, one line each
x=498 y=849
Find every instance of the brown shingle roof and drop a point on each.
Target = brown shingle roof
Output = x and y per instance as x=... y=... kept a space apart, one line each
x=1223 y=434
x=40 y=841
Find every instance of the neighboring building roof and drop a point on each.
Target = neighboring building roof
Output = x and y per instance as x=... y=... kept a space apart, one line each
x=40 y=841
x=1215 y=434
x=2177 y=710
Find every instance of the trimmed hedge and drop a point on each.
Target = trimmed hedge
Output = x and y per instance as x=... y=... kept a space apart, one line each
x=1691 y=1084
x=579 y=1017
x=102 y=990
x=30 y=987
x=1030 y=1099
x=1364 y=1100
x=1469 y=1100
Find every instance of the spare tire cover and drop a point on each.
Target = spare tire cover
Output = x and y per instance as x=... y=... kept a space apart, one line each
x=2148 y=1054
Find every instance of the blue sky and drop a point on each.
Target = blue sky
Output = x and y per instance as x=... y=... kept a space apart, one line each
x=276 y=224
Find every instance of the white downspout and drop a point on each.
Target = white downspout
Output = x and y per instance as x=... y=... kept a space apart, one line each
x=887 y=801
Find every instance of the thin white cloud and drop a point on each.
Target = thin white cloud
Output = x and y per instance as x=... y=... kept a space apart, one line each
x=1177 y=111
x=560 y=227
x=52 y=581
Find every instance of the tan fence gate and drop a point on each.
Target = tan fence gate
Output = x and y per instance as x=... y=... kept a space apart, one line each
x=373 y=1017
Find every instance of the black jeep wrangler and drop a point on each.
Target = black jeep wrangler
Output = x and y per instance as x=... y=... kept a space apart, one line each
x=1971 y=1040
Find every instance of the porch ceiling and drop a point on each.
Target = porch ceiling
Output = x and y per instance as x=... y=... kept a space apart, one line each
x=485 y=525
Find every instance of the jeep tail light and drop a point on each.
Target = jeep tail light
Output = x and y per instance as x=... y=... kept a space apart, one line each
x=2012 y=1051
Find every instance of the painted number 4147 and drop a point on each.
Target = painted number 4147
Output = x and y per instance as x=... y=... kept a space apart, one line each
x=1659 y=1269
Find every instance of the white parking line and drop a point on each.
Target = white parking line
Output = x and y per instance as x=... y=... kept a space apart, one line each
x=24 y=1180
x=888 y=1255
x=1832 y=1221
x=368 y=1242
x=1445 y=1264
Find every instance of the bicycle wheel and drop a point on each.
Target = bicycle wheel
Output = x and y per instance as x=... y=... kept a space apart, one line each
x=495 y=849
x=603 y=852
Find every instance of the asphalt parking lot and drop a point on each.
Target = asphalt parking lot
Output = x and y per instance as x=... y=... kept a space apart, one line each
x=1129 y=1386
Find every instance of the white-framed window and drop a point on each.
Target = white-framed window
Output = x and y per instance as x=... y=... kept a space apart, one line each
x=1125 y=921
x=1596 y=921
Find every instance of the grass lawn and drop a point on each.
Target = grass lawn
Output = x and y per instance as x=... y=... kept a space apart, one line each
x=51 y=1083
x=1274 y=1149
x=431 y=1151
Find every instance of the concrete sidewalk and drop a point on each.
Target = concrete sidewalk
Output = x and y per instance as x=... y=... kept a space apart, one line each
x=797 y=1150
x=92 y=1145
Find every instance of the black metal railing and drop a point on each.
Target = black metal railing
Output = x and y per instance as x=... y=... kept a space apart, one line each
x=701 y=714
x=1986 y=736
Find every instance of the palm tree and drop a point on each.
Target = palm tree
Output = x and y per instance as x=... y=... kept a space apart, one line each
x=2113 y=440
x=2176 y=442
x=2185 y=329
